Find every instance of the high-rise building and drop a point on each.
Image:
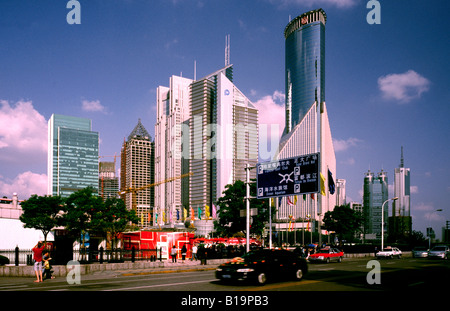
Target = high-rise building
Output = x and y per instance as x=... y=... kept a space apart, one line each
x=400 y=223
x=305 y=65
x=223 y=130
x=375 y=194
x=72 y=155
x=108 y=182
x=172 y=114
x=307 y=129
x=136 y=171
x=340 y=192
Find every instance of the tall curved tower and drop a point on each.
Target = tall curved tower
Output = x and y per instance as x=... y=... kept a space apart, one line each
x=305 y=65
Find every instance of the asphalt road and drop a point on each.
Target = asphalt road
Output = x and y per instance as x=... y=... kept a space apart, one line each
x=350 y=275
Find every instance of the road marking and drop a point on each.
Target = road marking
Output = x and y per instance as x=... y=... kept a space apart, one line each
x=159 y=285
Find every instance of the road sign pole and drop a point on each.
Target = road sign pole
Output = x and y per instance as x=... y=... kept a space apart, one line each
x=247 y=169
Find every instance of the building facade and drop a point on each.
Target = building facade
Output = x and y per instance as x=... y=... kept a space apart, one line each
x=72 y=155
x=375 y=194
x=223 y=130
x=172 y=115
x=307 y=128
x=108 y=182
x=400 y=222
x=137 y=171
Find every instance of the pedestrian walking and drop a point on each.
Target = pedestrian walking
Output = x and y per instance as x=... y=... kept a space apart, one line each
x=37 y=256
x=173 y=254
x=194 y=252
x=183 y=252
x=47 y=267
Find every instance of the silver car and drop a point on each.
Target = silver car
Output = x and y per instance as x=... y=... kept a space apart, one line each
x=439 y=251
x=419 y=252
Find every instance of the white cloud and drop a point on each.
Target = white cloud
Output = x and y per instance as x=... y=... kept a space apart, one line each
x=344 y=144
x=309 y=3
x=403 y=87
x=25 y=184
x=93 y=106
x=271 y=115
x=23 y=130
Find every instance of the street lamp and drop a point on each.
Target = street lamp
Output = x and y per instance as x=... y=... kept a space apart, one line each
x=382 y=221
x=429 y=223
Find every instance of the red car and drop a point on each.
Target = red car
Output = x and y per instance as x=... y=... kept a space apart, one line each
x=326 y=255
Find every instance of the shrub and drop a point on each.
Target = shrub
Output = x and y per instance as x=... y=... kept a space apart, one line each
x=3 y=260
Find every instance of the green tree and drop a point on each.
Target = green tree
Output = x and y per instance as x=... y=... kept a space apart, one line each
x=42 y=213
x=113 y=218
x=232 y=202
x=344 y=221
x=81 y=207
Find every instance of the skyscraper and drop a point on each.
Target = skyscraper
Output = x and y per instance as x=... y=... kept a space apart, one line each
x=307 y=128
x=400 y=223
x=72 y=155
x=171 y=115
x=223 y=137
x=305 y=65
x=375 y=194
x=137 y=170
x=108 y=183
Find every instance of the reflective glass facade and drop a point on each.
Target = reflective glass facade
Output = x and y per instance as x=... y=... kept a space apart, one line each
x=305 y=65
x=73 y=155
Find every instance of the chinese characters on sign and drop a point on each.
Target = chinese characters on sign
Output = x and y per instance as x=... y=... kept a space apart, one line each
x=286 y=177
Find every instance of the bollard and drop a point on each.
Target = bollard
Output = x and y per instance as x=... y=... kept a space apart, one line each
x=101 y=254
x=16 y=259
x=133 y=254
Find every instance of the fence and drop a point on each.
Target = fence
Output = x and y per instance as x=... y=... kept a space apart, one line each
x=18 y=256
x=25 y=256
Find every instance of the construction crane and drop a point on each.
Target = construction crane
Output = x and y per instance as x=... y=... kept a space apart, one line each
x=134 y=190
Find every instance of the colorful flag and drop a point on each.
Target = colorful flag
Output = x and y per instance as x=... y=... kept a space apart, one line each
x=331 y=186
x=185 y=213
x=207 y=215
x=178 y=214
x=322 y=185
x=295 y=199
x=214 y=211
x=289 y=202
x=192 y=214
x=199 y=213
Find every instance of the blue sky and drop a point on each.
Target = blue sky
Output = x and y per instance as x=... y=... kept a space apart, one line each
x=386 y=84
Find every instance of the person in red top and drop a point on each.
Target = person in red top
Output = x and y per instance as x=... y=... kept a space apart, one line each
x=37 y=256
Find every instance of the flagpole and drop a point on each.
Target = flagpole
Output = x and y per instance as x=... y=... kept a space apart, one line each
x=270 y=223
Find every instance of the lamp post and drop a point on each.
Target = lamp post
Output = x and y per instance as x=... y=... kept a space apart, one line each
x=382 y=221
x=429 y=223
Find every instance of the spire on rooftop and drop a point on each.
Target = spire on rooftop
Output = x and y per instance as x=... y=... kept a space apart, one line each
x=139 y=131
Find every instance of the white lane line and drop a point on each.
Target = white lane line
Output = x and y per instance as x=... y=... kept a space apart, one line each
x=158 y=285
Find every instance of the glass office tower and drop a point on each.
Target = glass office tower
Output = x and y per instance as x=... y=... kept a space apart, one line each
x=305 y=65
x=72 y=155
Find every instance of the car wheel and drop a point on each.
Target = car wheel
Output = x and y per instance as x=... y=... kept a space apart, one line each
x=261 y=278
x=340 y=259
x=298 y=274
x=328 y=260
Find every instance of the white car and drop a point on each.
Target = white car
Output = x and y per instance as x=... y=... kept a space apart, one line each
x=389 y=252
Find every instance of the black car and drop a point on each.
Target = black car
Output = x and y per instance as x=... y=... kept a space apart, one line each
x=263 y=265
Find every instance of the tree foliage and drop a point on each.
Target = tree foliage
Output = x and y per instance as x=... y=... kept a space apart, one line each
x=42 y=213
x=80 y=213
x=344 y=221
x=232 y=202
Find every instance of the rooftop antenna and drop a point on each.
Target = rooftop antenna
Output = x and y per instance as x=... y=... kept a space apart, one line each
x=227 y=50
x=402 y=163
x=195 y=70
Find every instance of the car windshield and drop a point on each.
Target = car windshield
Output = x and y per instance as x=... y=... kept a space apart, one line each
x=420 y=249
x=439 y=248
x=388 y=249
x=324 y=251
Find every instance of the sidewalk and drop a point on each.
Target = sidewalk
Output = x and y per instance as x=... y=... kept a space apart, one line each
x=115 y=269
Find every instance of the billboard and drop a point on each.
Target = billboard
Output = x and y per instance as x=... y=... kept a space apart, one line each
x=292 y=176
